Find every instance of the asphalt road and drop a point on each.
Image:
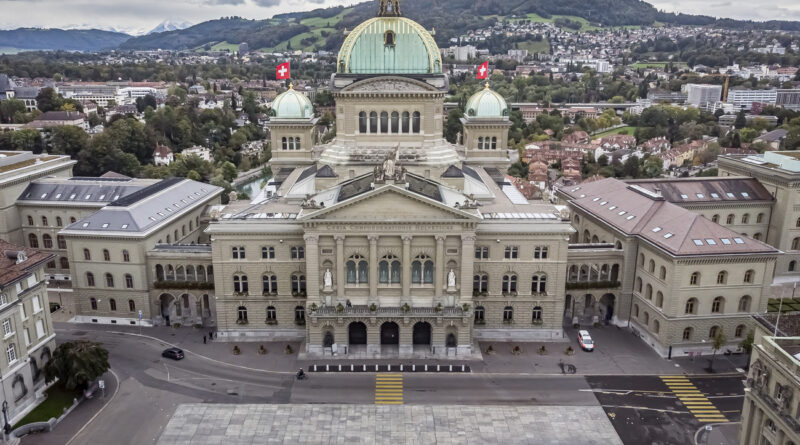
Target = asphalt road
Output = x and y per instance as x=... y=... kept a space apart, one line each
x=151 y=388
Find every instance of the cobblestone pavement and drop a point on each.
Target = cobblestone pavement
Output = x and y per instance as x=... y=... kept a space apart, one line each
x=418 y=424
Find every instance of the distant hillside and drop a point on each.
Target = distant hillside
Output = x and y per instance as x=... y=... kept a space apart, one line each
x=86 y=40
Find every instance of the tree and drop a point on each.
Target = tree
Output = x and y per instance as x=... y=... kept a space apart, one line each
x=453 y=127
x=631 y=167
x=229 y=171
x=652 y=167
x=717 y=343
x=68 y=140
x=747 y=344
x=10 y=107
x=76 y=364
x=48 y=100
x=740 y=121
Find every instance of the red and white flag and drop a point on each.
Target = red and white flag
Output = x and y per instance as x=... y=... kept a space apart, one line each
x=483 y=71
x=282 y=71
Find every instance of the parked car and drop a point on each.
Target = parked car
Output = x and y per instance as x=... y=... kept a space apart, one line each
x=173 y=353
x=585 y=340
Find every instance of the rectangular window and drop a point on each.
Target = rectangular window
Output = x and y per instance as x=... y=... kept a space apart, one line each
x=22 y=313
x=481 y=253
x=512 y=252
x=37 y=305
x=11 y=353
x=6 y=327
x=27 y=336
x=268 y=253
x=40 y=332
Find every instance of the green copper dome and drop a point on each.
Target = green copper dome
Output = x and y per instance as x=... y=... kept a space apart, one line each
x=389 y=45
x=486 y=103
x=292 y=104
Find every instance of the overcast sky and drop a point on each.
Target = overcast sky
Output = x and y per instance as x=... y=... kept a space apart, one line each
x=139 y=16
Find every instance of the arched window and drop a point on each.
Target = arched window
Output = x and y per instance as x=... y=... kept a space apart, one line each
x=718 y=305
x=494 y=142
x=662 y=273
x=641 y=258
x=47 y=241
x=422 y=270
x=272 y=314
x=183 y=230
x=715 y=218
x=395 y=122
x=691 y=306
x=539 y=284
x=659 y=299
x=722 y=277
x=646 y=318
x=406 y=122
x=126 y=257
x=298 y=284
x=160 y=272
x=93 y=303
x=30 y=220
x=508 y=314
x=389 y=270
x=131 y=306
x=112 y=303
x=729 y=219
x=44 y=221
x=299 y=314
x=362 y=122
x=744 y=304
x=388 y=38
x=284 y=145
x=760 y=218
x=796 y=243
x=72 y=220
x=638 y=285
x=106 y=255
x=792 y=265
x=537 y=314
x=109 y=280
x=64 y=262
x=269 y=284
x=61 y=241
x=509 y=283
x=480 y=142
x=297 y=143
x=757 y=236
x=59 y=222
x=129 y=281
x=415 y=122
x=480 y=283
x=33 y=240
x=748 y=276
x=357 y=270
x=656 y=326
x=373 y=122
x=89 y=279
x=687 y=333
x=479 y=314
x=713 y=331
x=384 y=122
x=739 y=331
x=651 y=266
x=745 y=218
x=240 y=284
x=648 y=291
x=241 y=314
x=635 y=311
x=298 y=253
x=694 y=279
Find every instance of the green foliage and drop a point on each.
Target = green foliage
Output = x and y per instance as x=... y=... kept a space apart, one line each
x=48 y=100
x=77 y=363
x=68 y=140
x=9 y=108
x=453 y=127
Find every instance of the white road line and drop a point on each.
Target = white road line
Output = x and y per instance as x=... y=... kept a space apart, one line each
x=113 y=396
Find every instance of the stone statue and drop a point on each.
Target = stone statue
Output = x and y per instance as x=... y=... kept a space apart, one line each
x=390 y=163
x=400 y=175
x=389 y=8
x=378 y=174
x=458 y=138
x=451 y=279
x=327 y=279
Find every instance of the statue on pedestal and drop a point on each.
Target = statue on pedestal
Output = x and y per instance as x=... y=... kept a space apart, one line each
x=451 y=280
x=327 y=280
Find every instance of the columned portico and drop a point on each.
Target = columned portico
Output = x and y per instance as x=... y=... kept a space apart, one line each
x=406 y=279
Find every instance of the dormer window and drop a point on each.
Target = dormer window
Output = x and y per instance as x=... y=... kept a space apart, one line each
x=388 y=38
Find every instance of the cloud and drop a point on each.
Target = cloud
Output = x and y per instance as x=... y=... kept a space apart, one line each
x=268 y=3
x=223 y=2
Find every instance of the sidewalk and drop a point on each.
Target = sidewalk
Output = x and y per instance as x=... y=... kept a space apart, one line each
x=720 y=434
x=75 y=420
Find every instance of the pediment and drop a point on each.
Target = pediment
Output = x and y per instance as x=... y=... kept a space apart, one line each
x=389 y=85
x=389 y=203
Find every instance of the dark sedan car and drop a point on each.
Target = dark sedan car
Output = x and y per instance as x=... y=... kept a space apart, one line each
x=173 y=353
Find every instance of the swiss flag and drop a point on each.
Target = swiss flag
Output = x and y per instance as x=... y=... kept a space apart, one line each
x=282 y=71
x=483 y=71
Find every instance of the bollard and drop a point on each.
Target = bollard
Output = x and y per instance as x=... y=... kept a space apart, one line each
x=327 y=368
x=414 y=368
x=401 y=368
x=462 y=368
x=352 y=368
x=451 y=368
x=340 y=368
x=389 y=368
x=364 y=368
x=315 y=368
x=376 y=368
x=437 y=368
x=426 y=368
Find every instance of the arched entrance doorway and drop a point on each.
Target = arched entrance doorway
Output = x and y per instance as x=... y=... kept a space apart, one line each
x=422 y=334
x=357 y=333
x=327 y=338
x=607 y=306
x=390 y=333
x=167 y=306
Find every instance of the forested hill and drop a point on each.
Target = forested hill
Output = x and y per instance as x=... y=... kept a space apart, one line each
x=322 y=28
x=59 y=39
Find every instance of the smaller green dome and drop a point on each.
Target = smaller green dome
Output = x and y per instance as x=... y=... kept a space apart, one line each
x=486 y=103
x=292 y=104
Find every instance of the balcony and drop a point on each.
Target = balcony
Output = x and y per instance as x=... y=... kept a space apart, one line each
x=364 y=311
x=168 y=284
x=584 y=285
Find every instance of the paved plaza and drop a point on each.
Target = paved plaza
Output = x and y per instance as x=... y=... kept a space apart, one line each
x=403 y=424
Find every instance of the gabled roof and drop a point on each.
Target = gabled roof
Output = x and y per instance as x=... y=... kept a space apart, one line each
x=78 y=190
x=13 y=267
x=453 y=172
x=162 y=151
x=637 y=211
x=707 y=189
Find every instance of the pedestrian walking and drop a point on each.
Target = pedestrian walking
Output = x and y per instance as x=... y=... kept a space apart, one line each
x=210 y=335
x=204 y=339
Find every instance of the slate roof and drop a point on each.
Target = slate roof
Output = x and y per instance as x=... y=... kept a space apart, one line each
x=728 y=189
x=637 y=211
x=60 y=116
x=26 y=92
x=10 y=270
x=453 y=172
x=6 y=84
x=326 y=172
x=78 y=190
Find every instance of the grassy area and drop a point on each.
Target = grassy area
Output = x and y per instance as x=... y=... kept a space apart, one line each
x=536 y=18
x=220 y=46
x=53 y=406
x=789 y=305
x=656 y=65
x=620 y=130
x=322 y=22
x=296 y=41
x=533 y=46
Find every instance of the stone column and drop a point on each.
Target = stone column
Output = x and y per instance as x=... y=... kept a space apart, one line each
x=438 y=281
x=406 y=265
x=340 y=278
x=313 y=283
x=467 y=261
x=373 y=265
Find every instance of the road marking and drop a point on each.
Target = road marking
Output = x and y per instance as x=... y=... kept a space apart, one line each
x=388 y=389
x=693 y=400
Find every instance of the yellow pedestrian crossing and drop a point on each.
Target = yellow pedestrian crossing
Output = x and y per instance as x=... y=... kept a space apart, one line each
x=388 y=389
x=695 y=401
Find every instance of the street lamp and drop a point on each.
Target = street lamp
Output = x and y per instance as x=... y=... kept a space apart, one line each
x=6 y=426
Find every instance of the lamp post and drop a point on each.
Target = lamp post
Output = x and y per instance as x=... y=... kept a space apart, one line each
x=6 y=426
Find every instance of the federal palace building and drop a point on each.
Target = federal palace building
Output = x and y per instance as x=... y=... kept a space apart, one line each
x=391 y=240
